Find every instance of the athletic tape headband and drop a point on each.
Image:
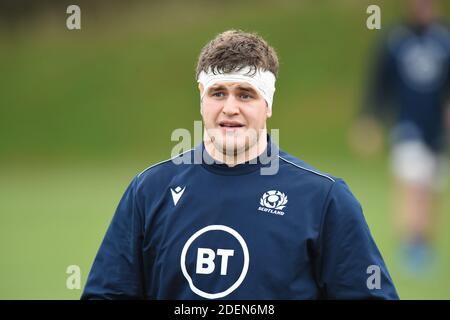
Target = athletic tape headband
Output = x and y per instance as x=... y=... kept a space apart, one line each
x=262 y=80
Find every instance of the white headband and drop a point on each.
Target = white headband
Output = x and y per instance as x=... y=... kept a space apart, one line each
x=263 y=81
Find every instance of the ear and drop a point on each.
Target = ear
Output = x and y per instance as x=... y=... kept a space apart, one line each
x=200 y=88
x=268 y=112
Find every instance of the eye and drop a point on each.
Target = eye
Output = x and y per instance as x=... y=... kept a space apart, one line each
x=218 y=94
x=246 y=96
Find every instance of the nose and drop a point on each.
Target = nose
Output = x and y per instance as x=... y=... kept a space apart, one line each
x=231 y=106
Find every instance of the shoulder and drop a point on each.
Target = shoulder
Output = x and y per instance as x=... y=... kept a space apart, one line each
x=396 y=34
x=298 y=167
x=441 y=28
x=441 y=31
x=335 y=187
x=165 y=170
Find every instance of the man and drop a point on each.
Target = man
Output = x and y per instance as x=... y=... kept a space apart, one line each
x=223 y=229
x=411 y=80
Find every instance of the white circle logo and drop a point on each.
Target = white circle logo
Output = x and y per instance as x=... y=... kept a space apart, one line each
x=238 y=282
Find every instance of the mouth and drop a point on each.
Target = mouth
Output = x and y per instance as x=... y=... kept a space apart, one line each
x=230 y=125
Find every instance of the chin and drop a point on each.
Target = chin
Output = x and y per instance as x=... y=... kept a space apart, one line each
x=232 y=145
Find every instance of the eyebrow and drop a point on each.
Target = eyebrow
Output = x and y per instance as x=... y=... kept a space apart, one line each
x=239 y=87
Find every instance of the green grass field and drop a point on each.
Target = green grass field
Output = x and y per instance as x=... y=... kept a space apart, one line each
x=81 y=112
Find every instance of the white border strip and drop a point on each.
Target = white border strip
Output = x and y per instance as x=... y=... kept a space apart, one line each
x=161 y=162
x=312 y=171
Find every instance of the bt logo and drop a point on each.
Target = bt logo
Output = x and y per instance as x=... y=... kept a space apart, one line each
x=206 y=257
x=208 y=261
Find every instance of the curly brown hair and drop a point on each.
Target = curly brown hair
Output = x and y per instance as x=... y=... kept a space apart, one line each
x=234 y=50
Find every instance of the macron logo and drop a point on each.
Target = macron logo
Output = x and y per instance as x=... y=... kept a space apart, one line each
x=176 y=194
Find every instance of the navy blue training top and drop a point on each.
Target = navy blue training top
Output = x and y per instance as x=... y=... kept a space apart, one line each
x=209 y=231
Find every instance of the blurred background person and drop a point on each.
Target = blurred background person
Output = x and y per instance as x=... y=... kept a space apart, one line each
x=409 y=91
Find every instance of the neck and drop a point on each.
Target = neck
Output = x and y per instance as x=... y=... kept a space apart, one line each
x=246 y=155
